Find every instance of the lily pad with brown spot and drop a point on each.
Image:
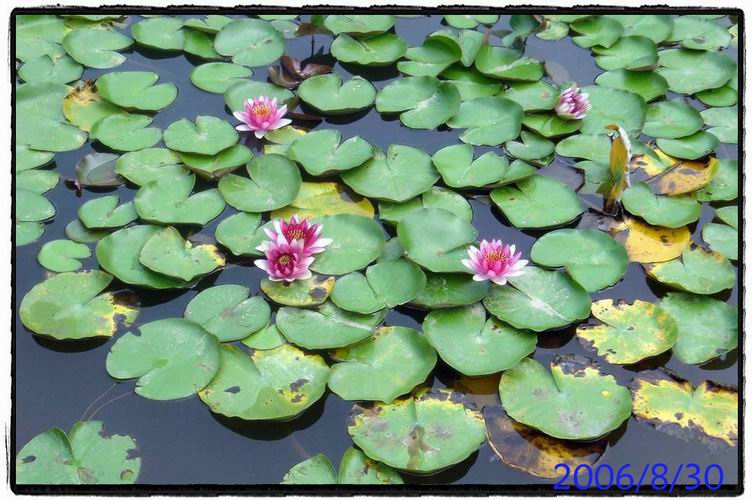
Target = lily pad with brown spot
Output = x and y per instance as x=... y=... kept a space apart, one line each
x=354 y=468
x=683 y=176
x=423 y=433
x=708 y=412
x=697 y=270
x=526 y=449
x=227 y=312
x=300 y=293
x=628 y=333
x=275 y=384
x=575 y=400
x=316 y=470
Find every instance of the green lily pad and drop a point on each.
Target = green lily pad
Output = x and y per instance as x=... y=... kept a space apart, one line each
x=240 y=233
x=201 y=45
x=227 y=312
x=709 y=411
x=70 y=306
x=593 y=258
x=508 y=64
x=326 y=327
x=265 y=339
x=96 y=48
x=403 y=173
x=40 y=122
x=722 y=96
x=76 y=231
x=217 y=77
x=356 y=242
x=672 y=119
x=697 y=270
x=358 y=24
x=629 y=52
x=436 y=239
x=424 y=102
x=377 y=50
x=83 y=106
x=691 y=71
x=611 y=106
x=238 y=93
x=628 y=333
x=596 y=31
x=316 y=470
x=533 y=96
x=385 y=284
x=537 y=202
x=489 y=121
x=723 y=123
x=648 y=84
x=167 y=253
x=32 y=207
x=588 y=146
x=310 y=292
x=550 y=125
x=699 y=34
x=168 y=200
x=386 y=365
x=61 y=256
x=86 y=456
x=575 y=400
x=533 y=147
x=722 y=239
x=539 y=300
x=474 y=346
x=436 y=197
x=136 y=90
x=321 y=152
x=207 y=136
x=690 y=147
x=161 y=33
x=656 y=27
x=470 y=20
x=445 y=290
x=105 y=213
x=171 y=358
x=274 y=384
x=459 y=169
x=250 y=42
x=422 y=433
x=439 y=51
x=37 y=181
x=667 y=211
x=328 y=94
x=274 y=182
x=215 y=166
x=118 y=254
x=210 y=24
x=38 y=35
x=356 y=468
x=48 y=69
x=126 y=132
x=28 y=232
x=707 y=328
x=27 y=159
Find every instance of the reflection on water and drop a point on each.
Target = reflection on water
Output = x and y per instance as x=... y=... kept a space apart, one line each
x=182 y=442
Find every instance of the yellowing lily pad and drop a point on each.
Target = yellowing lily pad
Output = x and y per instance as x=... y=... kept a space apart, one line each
x=299 y=293
x=697 y=270
x=318 y=199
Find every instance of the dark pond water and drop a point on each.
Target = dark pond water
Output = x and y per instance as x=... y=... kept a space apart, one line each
x=182 y=442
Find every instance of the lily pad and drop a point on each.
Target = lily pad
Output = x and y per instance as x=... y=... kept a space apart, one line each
x=84 y=106
x=136 y=90
x=699 y=34
x=724 y=185
x=436 y=197
x=537 y=202
x=161 y=33
x=37 y=181
x=274 y=183
x=656 y=27
x=48 y=69
x=386 y=365
x=539 y=300
x=377 y=50
x=532 y=148
x=61 y=256
x=691 y=71
x=274 y=384
x=322 y=153
x=40 y=122
x=227 y=312
x=28 y=232
x=445 y=290
x=265 y=339
x=70 y=306
x=440 y=50
x=310 y=292
x=38 y=35
x=690 y=147
x=217 y=77
x=594 y=147
x=422 y=433
x=105 y=213
x=708 y=412
x=672 y=119
x=648 y=84
x=629 y=52
x=85 y=456
x=474 y=345
x=240 y=233
x=315 y=470
x=168 y=200
x=356 y=468
x=403 y=173
x=489 y=121
x=508 y=64
x=215 y=166
x=97 y=48
x=550 y=125
x=667 y=211
x=613 y=106
x=358 y=24
x=32 y=207
x=470 y=20
x=239 y=92
x=533 y=96
x=628 y=333
x=645 y=243
x=385 y=284
x=250 y=42
x=436 y=239
x=329 y=95
x=596 y=31
x=167 y=253
x=459 y=169
x=126 y=132
x=171 y=358
x=424 y=102
x=574 y=401
x=317 y=199
x=723 y=123
x=591 y=257
x=356 y=242
x=326 y=327
x=722 y=239
x=207 y=136
x=697 y=270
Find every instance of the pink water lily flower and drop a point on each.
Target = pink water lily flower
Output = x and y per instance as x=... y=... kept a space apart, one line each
x=573 y=104
x=303 y=230
x=261 y=115
x=285 y=261
x=494 y=261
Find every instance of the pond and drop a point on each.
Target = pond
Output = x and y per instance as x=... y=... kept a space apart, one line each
x=181 y=442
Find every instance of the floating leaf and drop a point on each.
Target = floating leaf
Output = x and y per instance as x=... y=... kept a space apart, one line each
x=171 y=358
x=613 y=106
x=533 y=96
x=105 y=213
x=356 y=242
x=69 y=306
x=648 y=84
x=48 y=69
x=450 y=290
x=316 y=470
x=589 y=146
x=274 y=183
x=440 y=50
x=83 y=106
x=645 y=243
x=321 y=152
x=550 y=124
x=39 y=119
x=474 y=345
x=240 y=233
x=667 y=211
x=539 y=300
x=421 y=433
x=690 y=147
x=378 y=50
x=136 y=90
x=227 y=312
x=238 y=93
x=250 y=42
x=317 y=199
x=470 y=20
x=60 y=256
x=436 y=239
x=684 y=176
x=619 y=159
x=596 y=31
x=265 y=339
x=423 y=102
x=386 y=365
x=699 y=34
x=723 y=123
x=76 y=231
x=575 y=400
x=215 y=166
x=160 y=33
x=126 y=132
x=98 y=170
x=37 y=181
x=356 y=468
x=537 y=202
x=489 y=121
x=207 y=136
x=672 y=119
x=274 y=384
x=358 y=24
x=629 y=52
x=166 y=252
x=217 y=77
x=32 y=207
x=96 y=48
x=85 y=456
x=691 y=71
x=27 y=159
x=459 y=169
x=533 y=147
x=471 y=83
x=656 y=27
x=299 y=293
x=28 y=232
x=508 y=64
x=38 y=35
x=722 y=239
x=437 y=197
x=328 y=94
x=708 y=412
x=168 y=200
x=724 y=185
x=697 y=271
